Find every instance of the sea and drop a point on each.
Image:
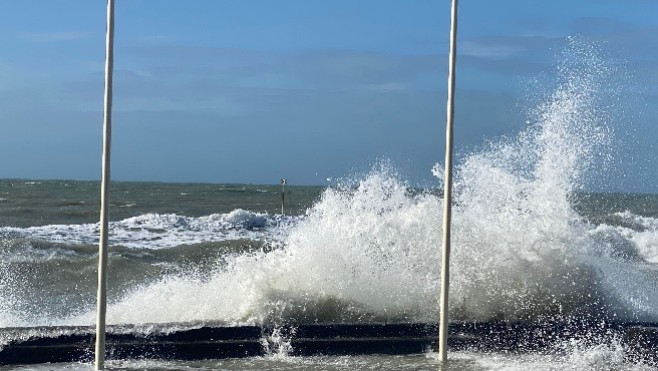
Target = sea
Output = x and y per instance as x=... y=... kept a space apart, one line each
x=531 y=243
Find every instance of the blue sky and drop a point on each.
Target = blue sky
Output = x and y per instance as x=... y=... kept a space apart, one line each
x=251 y=91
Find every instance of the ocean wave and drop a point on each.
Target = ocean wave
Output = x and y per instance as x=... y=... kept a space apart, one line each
x=641 y=233
x=157 y=231
x=534 y=263
x=520 y=251
x=643 y=222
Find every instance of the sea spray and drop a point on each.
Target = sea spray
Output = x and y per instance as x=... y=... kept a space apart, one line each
x=359 y=255
x=513 y=216
x=8 y=316
x=368 y=252
x=278 y=342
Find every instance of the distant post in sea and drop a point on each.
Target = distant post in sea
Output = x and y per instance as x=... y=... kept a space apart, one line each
x=105 y=192
x=447 y=192
x=284 y=181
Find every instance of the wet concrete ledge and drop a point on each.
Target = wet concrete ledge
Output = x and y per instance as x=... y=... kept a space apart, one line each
x=187 y=342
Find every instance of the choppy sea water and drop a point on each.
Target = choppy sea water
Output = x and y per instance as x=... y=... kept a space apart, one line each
x=530 y=244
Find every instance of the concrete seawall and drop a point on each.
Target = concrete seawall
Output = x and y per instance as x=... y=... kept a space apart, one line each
x=208 y=341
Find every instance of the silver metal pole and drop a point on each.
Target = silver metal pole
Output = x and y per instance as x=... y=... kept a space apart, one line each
x=105 y=192
x=447 y=192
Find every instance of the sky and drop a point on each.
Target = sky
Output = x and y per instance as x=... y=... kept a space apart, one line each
x=251 y=91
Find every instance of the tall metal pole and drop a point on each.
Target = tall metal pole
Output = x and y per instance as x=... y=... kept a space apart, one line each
x=447 y=192
x=105 y=192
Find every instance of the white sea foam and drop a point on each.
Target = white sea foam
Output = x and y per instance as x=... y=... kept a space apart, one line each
x=644 y=237
x=361 y=254
x=156 y=231
x=524 y=259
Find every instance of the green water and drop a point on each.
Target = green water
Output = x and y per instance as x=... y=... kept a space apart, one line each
x=26 y=203
x=47 y=281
